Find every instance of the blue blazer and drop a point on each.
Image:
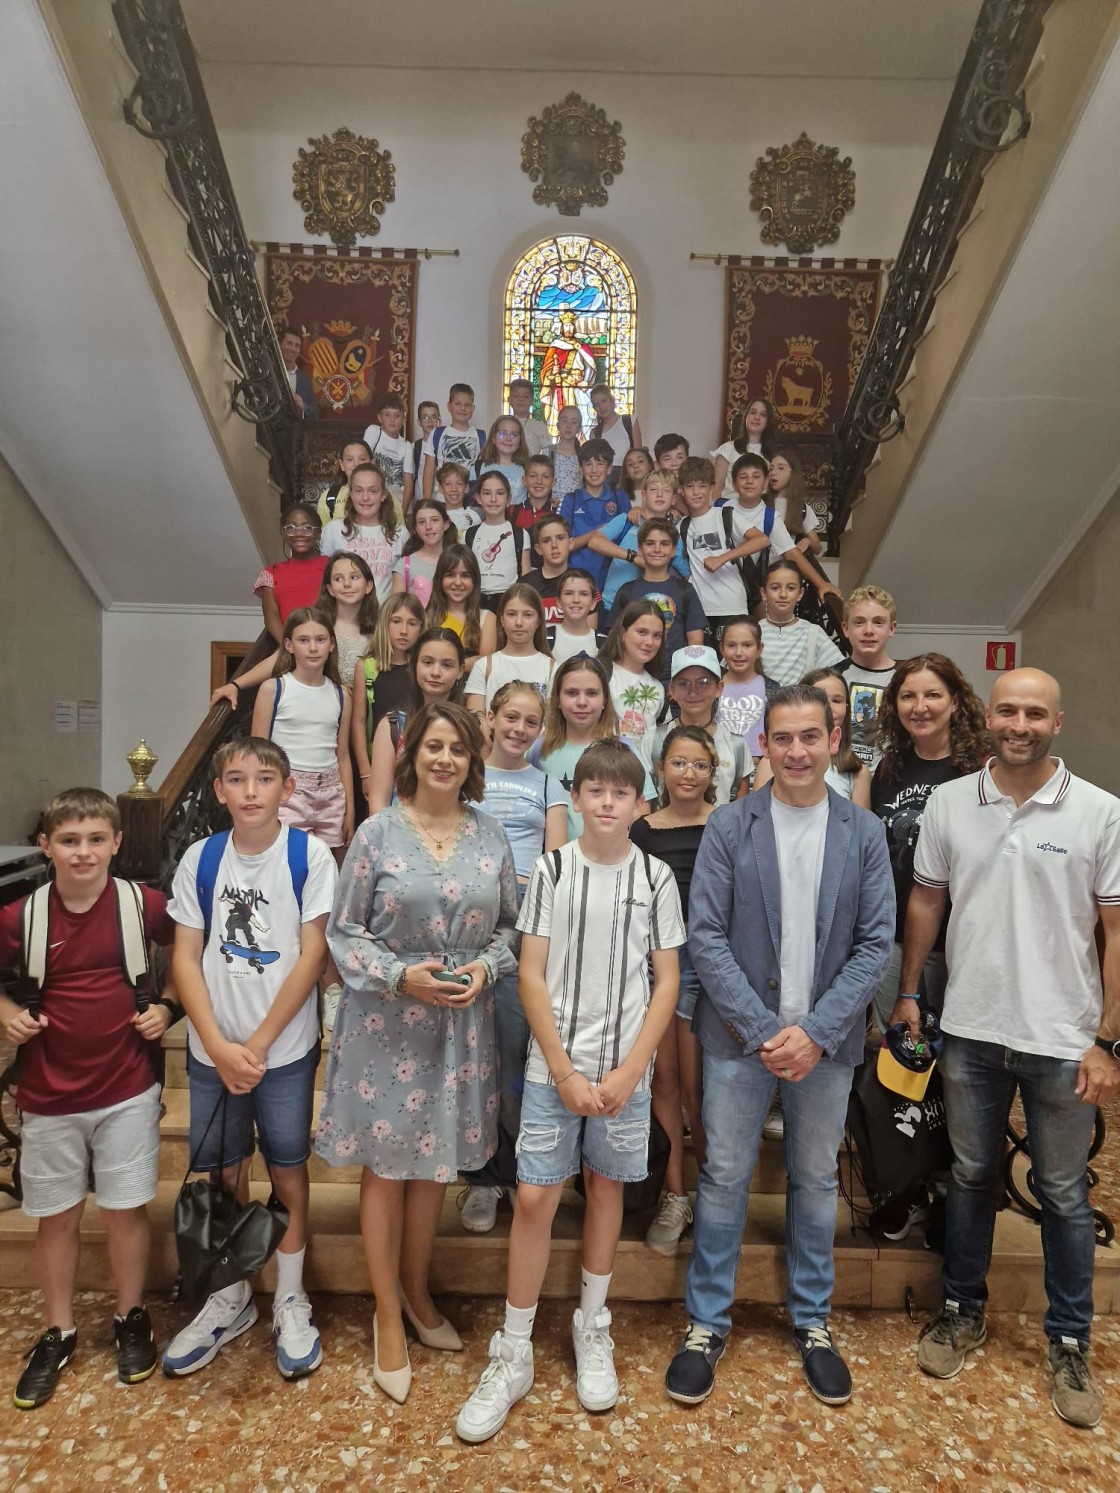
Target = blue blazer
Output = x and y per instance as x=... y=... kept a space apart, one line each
x=735 y=928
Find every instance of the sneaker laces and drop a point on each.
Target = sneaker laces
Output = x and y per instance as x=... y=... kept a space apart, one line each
x=497 y=1377
x=293 y=1314
x=216 y=1313
x=675 y=1211
x=946 y=1326
x=818 y=1337
x=51 y=1344
x=1072 y=1366
x=697 y=1339
x=597 y=1345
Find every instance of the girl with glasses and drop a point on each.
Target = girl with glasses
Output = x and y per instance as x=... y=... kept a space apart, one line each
x=296 y=580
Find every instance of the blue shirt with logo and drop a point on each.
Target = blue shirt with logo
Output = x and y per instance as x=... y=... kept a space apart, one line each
x=584 y=513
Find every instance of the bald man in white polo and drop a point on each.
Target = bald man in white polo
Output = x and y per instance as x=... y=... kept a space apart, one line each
x=1030 y=857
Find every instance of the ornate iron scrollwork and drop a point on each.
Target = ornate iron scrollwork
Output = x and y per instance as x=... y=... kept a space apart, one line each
x=168 y=103
x=988 y=95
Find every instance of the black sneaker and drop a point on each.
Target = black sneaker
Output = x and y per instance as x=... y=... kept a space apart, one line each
x=825 y=1371
x=48 y=1358
x=136 y=1346
x=691 y=1375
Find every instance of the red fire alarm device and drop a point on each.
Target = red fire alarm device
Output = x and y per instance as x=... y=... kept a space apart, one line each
x=999 y=656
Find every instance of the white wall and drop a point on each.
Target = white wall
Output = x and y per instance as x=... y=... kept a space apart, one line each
x=966 y=646
x=155 y=680
x=690 y=149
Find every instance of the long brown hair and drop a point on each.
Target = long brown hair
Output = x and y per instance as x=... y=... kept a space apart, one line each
x=453 y=556
x=522 y=592
x=386 y=514
x=796 y=493
x=612 y=650
x=969 y=742
x=490 y=452
x=555 y=726
x=286 y=661
x=367 y=608
x=769 y=439
x=844 y=759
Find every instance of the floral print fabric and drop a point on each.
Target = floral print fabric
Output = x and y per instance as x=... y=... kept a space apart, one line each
x=411 y=1090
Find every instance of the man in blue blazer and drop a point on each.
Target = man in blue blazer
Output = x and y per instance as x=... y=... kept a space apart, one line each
x=791 y=921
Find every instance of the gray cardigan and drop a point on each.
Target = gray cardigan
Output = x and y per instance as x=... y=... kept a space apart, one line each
x=735 y=928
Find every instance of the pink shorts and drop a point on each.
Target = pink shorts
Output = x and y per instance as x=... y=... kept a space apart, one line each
x=318 y=805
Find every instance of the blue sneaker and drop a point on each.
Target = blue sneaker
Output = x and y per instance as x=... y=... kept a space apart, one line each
x=200 y=1342
x=298 y=1349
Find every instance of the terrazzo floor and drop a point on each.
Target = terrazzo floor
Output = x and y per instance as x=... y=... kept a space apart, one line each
x=237 y=1425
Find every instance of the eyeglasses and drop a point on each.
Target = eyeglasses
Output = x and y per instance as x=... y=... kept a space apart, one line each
x=299 y=528
x=682 y=764
x=695 y=686
x=508 y=435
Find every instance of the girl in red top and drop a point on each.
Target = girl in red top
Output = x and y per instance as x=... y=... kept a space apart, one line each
x=296 y=581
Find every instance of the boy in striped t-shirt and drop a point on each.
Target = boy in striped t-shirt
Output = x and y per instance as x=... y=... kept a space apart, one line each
x=596 y=914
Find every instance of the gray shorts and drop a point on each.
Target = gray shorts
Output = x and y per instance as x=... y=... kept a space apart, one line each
x=121 y=1142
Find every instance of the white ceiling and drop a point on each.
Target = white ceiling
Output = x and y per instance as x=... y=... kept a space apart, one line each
x=717 y=38
x=1027 y=450
x=97 y=416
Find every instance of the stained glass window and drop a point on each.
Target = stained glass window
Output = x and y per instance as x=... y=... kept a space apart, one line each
x=571 y=323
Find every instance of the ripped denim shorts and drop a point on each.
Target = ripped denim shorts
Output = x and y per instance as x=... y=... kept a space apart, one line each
x=552 y=1142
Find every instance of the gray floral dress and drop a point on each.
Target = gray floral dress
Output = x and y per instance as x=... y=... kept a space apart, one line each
x=411 y=1090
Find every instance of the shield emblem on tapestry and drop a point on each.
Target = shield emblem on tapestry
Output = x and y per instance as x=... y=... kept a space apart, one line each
x=800 y=387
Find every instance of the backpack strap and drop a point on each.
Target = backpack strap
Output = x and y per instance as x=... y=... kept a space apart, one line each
x=518 y=543
x=134 y=940
x=206 y=877
x=728 y=527
x=338 y=690
x=768 y=518
x=396 y=728
x=437 y=436
x=275 y=705
x=470 y=535
x=33 y=937
x=407 y=567
x=628 y=427
x=297 y=862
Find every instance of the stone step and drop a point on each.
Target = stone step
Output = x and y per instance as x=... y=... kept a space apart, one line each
x=868 y=1273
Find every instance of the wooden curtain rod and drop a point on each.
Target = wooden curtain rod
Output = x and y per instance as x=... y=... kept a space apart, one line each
x=759 y=261
x=363 y=251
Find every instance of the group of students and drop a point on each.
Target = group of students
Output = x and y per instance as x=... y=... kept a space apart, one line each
x=489 y=740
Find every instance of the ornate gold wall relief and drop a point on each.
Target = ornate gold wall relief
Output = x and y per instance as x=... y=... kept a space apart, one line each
x=342 y=183
x=802 y=192
x=573 y=154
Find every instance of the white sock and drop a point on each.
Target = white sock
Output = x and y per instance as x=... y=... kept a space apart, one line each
x=66 y=1332
x=519 y=1323
x=593 y=1293
x=289 y=1273
x=234 y=1298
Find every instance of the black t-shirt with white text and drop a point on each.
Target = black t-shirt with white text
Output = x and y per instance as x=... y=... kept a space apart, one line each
x=900 y=802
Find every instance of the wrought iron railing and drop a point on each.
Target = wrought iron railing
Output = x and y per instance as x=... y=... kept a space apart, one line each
x=987 y=114
x=168 y=104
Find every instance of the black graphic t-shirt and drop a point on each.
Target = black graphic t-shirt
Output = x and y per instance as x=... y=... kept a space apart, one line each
x=900 y=802
x=865 y=696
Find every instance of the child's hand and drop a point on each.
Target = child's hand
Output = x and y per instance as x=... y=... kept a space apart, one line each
x=22 y=1027
x=348 y=825
x=579 y=1096
x=152 y=1023
x=828 y=589
x=228 y=692
x=615 y=1090
x=238 y=1067
x=713 y=562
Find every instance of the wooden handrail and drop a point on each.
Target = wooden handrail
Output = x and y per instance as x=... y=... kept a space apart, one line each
x=149 y=846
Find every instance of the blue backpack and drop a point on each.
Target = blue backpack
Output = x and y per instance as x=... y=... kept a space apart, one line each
x=210 y=862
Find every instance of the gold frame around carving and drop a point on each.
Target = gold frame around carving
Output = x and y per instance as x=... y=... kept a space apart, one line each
x=573 y=153
x=832 y=181
x=371 y=183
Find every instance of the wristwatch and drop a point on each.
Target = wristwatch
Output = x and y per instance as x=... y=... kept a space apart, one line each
x=1112 y=1048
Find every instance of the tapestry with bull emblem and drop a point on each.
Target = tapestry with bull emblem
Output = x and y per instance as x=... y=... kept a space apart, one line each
x=797 y=331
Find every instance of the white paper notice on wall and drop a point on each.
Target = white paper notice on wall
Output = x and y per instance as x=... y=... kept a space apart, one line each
x=89 y=715
x=66 y=715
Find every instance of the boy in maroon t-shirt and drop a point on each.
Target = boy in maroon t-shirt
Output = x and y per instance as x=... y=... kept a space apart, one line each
x=88 y=1088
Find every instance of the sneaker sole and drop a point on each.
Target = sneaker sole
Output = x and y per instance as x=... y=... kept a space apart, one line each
x=596 y=1407
x=300 y=1371
x=1082 y=1425
x=34 y=1404
x=666 y=1251
x=479 y=1228
x=952 y=1374
x=683 y=1399
x=475 y=1438
x=829 y=1399
x=138 y=1378
x=228 y=1336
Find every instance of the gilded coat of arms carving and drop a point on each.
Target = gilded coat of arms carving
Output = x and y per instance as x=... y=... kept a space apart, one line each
x=573 y=153
x=802 y=192
x=342 y=183
x=799 y=386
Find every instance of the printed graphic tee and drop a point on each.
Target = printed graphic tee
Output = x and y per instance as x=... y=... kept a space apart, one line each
x=865 y=697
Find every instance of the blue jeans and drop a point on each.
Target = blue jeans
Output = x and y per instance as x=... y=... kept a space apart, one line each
x=513 y=1047
x=281 y=1104
x=737 y=1095
x=980 y=1080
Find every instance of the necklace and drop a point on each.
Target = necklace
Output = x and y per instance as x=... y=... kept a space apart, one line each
x=436 y=840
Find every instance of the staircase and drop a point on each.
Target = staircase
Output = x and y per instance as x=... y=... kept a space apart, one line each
x=868 y=1273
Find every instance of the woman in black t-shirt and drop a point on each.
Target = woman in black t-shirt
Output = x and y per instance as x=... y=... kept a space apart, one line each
x=932 y=729
x=687 y=773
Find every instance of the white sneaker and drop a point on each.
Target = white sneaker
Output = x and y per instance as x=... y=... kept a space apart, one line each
x=507 y=1378
x=774 y=1125
x=673 y=1217
x=480 y=1211
x=298 y=1349
x=331 y=997
x=596 y=1380
x=223 y=1318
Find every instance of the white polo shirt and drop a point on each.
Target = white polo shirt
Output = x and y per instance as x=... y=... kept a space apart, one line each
x=1025 y=884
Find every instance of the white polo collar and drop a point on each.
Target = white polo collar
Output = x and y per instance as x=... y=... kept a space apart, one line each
x=1052 y=791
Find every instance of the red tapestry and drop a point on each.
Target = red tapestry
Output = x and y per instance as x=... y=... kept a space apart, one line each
x=796 y=335
x=357 y=316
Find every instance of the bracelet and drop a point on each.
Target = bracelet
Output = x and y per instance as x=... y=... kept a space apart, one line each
x=572 y=1074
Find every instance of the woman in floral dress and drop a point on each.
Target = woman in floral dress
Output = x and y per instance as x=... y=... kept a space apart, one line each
x=411 y=1088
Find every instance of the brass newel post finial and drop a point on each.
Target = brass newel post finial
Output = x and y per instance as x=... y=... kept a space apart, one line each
x=141 y=761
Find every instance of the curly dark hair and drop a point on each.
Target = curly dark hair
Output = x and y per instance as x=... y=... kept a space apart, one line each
x=469 y=733
x=969 y=743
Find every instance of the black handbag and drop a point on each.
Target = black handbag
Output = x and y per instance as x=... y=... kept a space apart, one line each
x=219 y=1239
x=901 y=1142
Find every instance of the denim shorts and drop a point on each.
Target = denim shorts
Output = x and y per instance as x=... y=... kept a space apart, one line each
x=552 y=1141
x=281 y=1104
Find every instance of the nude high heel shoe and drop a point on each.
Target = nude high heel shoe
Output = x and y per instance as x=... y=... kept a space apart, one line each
x=444 y=1336
x=395 y=1382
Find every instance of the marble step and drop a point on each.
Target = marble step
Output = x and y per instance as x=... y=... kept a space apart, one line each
x=868 y=1273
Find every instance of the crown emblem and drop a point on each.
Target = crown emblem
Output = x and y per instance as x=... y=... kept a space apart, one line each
x=339 y=328
x=801 y=347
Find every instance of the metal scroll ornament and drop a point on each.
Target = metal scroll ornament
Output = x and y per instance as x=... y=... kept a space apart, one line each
x=802 y=191
x=342 y=183
x=573 y=153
